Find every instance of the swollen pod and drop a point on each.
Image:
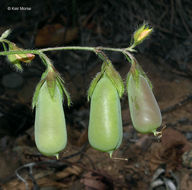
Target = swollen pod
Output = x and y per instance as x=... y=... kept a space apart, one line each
x=50 y=126
x=105 y=123
x=144 y=110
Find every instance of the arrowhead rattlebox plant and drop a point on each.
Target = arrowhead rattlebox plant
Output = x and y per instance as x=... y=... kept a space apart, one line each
x=105 y=123
x=50 y=126
x=144 y=110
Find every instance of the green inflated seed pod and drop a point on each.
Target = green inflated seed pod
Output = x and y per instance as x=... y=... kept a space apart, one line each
x=144 y=110
x=50 y=126
x=105 y=123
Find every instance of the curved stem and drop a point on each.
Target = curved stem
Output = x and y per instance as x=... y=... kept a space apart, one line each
x=40 y=52
x=93 y=49
x=45 y=59
x=130 y=58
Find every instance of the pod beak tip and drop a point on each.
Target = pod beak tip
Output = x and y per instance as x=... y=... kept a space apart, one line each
x=57 y=156
x=110 y=154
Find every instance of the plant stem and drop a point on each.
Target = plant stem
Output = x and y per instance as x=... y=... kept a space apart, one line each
x=37 y=51
x=19 y=52
x=69 y=48
x=96 y=50
x=86 y=48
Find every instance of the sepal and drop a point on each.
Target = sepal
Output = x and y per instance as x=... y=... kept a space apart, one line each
x=60 y=82
x=115 y=77
x=136 y=71
x=36 y=93
x=15 y=63
x=93 y=84
x=51 y=82
x=142 y=72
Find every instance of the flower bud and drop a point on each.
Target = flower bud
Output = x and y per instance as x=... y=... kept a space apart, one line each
x=142 y=33
x=27 y=58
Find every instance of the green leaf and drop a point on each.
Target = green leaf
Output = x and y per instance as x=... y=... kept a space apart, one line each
x=93 y=85
x=5 y=34
x=116 y=79
x=36 y=93
x=60 y=82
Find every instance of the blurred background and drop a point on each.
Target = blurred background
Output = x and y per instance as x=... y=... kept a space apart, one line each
x=166 y=58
